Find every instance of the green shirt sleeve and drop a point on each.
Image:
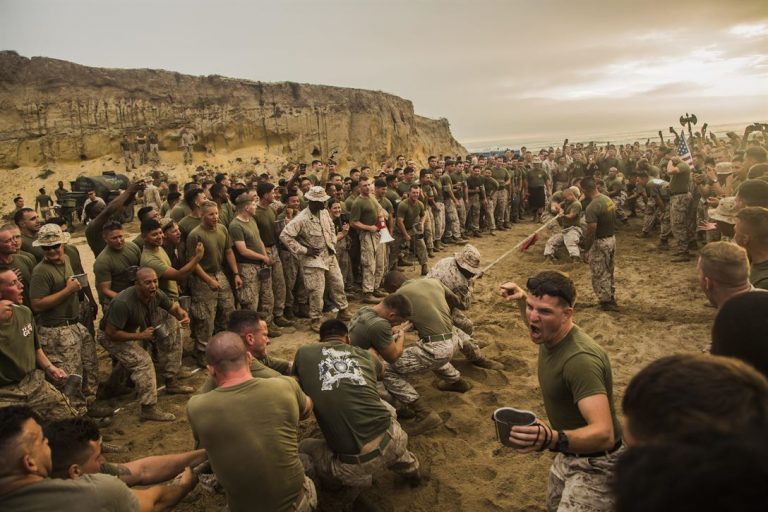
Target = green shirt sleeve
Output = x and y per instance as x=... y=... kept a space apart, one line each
x=118 y=314
x=584 y=376
x=101 y=271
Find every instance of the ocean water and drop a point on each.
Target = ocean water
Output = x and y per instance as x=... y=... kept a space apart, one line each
x=536 y=143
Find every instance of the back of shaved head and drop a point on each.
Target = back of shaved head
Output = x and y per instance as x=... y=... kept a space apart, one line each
x=226 y=352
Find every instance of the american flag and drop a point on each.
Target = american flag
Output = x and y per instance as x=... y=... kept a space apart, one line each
x=682 y=150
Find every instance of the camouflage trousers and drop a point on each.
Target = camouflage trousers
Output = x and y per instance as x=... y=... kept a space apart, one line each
x=581 y=484
x=317 y=279
x=466 y=346
x=278 y=284
x=487 y=209
x=142 y=150
x=396 y=457
x=570 y=237
x=679 y=205
x=474 y=212
x=429 y=230
x=452 y=223
x=501 y=207
x=462 y=321
x=168 y=351
x=256 y=293
x=654 y=213
x=416 y=244
x=461 y=211
x=620 y=200
x=435 y=356
x=72 y=349
x=187 y=154
x=345 y=264
x=36 y=392
x=210 y=309
x=373 y=258
x=138 y=363
x=601 y=261
x=295 y=287
x=129 y=162
x=438 y=213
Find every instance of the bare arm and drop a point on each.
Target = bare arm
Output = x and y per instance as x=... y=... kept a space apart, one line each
x=589 y=239
x=244 y=251
x=115 y=334
x=394 y=350
x=47 y=366
x=116 y=205
x=105 y=287
x=159 y=468
x=164 y=497
x=51 y=301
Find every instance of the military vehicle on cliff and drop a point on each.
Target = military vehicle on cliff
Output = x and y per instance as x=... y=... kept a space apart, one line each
x=107 y=186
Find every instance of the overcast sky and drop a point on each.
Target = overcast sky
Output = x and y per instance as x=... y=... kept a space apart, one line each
x=494 y=69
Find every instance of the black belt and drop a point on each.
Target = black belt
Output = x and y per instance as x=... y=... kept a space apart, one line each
x=437 y=337
x=677 y=193
x=268 y=246
x=598 y=454
x=62 y=323
x=367 y=457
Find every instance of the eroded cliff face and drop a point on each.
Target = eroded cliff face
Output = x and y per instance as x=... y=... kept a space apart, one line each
x=52 y=110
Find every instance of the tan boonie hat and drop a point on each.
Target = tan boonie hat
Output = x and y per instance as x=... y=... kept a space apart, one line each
x=725 y=211
x=316 y=194
x=50 y=234
x=468 y=258
x=723 y=168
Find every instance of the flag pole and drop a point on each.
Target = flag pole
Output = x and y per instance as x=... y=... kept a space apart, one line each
x=516 y=247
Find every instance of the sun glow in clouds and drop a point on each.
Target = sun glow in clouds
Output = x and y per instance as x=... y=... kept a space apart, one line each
x=750 y=31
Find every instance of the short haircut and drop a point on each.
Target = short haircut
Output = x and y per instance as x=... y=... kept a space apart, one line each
x=414 y=186
x=754 y=193
x=757 y=154
x=12 y=418
x=380 y=183
x=725 y=262
x=424 y=172
x=190 y=196
x=242 y=201
x=555 y=284
x=691 y=394
x=69 y=439
x=173 y=196
x=739 y=329
x=264 y=188
x=409 y=170
x=242 y=320
x=148 y=225
x=18 y=217
x=112 y=225
x=217 y=189
x=226 y=352
x=400 y=304
x=220 y=177
x=333 y=327
x=143 y=211
x=588 y=184
x=755 y=220
x=207 y=205
x=757 y=171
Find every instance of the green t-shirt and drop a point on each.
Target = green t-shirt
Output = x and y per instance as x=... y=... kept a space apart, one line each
x=393 y=196
x=113 y=266
x=128 y=313
x=576 y=368
x=431 y=315
x=758 y=275
x=680 y=181
x=266 y=219
x=48 y=279
x=602 y=210
x=573 y=208
x=258 y=466
x=404 y=187
x=216 y=241
x=474 y=182
x=74 y=259
x=367 y=329
x=138 y=242
x=387 y=206
x=259 y=370
x=180 y=211
x=490 y=184
x=89 y=493
x=365 y=210
x=18 y=342
x=341 y=381
x=349 y=201
x=410 y=213
x=536 y=178
x=187 y=224
x=500 y=175
x=614 y=185
x=226 y=213
x=159 y=261
x=446 y=184
x=247 y=232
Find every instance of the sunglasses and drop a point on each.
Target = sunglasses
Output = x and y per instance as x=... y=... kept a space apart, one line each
x=54 y=247
x=540 y=287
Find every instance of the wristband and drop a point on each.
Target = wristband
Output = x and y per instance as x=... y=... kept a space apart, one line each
x=235 y=274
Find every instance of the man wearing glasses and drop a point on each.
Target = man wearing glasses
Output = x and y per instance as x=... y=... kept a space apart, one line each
x=577 y=389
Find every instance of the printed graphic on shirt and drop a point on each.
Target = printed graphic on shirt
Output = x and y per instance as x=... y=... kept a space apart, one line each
x=336 y=366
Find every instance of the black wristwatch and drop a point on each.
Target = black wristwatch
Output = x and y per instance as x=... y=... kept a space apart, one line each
x=562 y=442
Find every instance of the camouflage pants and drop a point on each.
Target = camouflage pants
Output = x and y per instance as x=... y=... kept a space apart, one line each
x=256 y=293
x=438 y=213
x=678 y=218
x=488 y=208
x=462 y=321
x=654 y=213
x=466 y=346
x=169 y=350
x=395 y=457
x=501 y=207
x=620 y=200
x=416 y=244
x=601 y=261
x=452 y=226
x=581 y=484
x=187 y=154
x=68 y=347
x=474 y=212
x=208 y=308
x=461 y=211
x=129 y=162
x=569 y=237
x=139 y=365
x=278 y=284
x=295 y=289
x=435 y=356
x=36 y=392
x=142 y=149
x=373 y=258
x=316 y=280
x=345 y=264
x=429 y=230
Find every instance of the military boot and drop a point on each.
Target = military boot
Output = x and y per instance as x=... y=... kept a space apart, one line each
x=460 y=386
x=314 y=324
x=152 y=413
x=425 y=419
x=172 y=387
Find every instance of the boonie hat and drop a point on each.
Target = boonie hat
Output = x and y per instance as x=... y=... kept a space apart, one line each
x=725 y=211
x=468 y=258
x=316 y=193
x=50 y=234
x=723 y=168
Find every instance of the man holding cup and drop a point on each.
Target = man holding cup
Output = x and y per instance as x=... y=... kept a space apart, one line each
x=577 y=388
x=133 y=317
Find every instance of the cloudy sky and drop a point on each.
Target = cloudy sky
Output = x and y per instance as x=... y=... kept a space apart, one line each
x=496 y=69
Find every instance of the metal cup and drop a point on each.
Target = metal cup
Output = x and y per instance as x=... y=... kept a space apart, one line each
x=130 y=272
x=73 y=384
x=185 y=301
x=161 y=331
x=82 y=279
x=505 y=418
